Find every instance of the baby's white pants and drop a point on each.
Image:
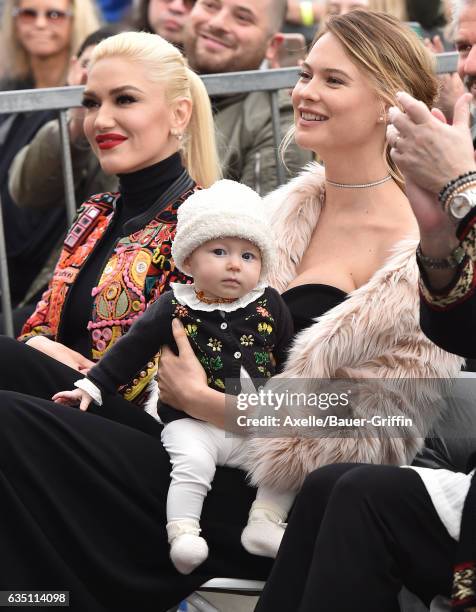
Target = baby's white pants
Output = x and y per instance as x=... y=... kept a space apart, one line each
x=195 y=449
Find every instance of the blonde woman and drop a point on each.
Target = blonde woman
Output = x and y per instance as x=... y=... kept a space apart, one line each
x=346 y=258
x=106 y=476
x=346 y=268
x=38 y=38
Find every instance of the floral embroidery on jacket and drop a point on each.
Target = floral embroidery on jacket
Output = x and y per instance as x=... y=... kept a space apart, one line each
x=252 y=338
x=180 y=311
x=247 y=340
x=214 y=344
x=265 y=328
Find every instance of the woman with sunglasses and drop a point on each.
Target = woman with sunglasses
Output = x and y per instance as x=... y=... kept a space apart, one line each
x=37 y=40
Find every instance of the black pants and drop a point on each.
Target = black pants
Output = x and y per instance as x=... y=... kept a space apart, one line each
x=82 y=498
x=356 y=535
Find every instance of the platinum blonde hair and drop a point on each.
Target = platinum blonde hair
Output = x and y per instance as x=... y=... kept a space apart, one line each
x=165 y=64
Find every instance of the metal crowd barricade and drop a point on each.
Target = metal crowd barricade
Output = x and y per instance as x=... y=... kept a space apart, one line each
x=63 y=98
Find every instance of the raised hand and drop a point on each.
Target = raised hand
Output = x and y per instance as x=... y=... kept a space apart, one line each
x=427 y=151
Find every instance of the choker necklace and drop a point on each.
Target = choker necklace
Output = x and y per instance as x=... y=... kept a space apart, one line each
x=201 y=296
x=359 y=185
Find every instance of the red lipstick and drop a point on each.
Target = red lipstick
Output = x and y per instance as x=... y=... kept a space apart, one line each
x=109 y=141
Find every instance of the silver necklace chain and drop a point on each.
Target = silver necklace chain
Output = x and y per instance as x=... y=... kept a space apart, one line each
x=359 y=185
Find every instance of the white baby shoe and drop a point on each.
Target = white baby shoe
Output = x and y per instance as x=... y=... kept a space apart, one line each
x=187 y=549
x=265 y=529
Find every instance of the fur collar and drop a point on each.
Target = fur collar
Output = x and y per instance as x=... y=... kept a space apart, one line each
x=379 y=315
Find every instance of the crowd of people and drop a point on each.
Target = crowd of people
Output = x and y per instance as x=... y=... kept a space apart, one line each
x=171 y=283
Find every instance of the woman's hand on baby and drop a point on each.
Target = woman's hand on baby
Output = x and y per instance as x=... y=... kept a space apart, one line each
x=73 y=398
x=61 y=353
x=181 y=377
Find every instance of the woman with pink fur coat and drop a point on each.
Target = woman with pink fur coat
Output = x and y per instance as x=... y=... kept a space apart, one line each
x=346 y=263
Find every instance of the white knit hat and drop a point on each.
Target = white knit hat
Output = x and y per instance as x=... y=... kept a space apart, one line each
x=227 y=209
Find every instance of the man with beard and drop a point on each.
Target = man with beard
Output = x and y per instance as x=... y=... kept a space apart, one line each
x=236 y=35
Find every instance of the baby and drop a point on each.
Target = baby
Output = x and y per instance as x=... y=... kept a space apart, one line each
x=238 y=327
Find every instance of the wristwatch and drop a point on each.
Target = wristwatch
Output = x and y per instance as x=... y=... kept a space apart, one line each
x=460 y=204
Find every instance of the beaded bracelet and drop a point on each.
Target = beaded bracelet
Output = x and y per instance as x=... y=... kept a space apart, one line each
x=454 y=259
x=453 y=184
x=450 y=183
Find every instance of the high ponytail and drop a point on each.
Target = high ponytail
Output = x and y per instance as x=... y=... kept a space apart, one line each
x=199 y=150
x=165 y=64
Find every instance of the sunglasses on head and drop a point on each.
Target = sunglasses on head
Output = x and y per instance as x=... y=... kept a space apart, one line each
x=28 y=15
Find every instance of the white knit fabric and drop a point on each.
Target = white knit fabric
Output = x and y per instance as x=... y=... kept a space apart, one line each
x=447 y=490
x=150 y=405
x=90 y=387
x=227 y=209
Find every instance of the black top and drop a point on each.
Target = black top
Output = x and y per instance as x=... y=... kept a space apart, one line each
x=306 y=302
x=14 y=83
x=255 y=337
x=139 y=192
x=453 y=329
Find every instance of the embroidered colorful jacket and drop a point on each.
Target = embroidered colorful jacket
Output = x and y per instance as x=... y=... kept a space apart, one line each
x=139 y=270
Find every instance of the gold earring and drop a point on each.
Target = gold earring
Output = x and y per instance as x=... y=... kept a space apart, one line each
x=176 y=134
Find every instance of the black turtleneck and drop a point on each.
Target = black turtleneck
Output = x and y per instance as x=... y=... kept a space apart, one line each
x=139 y=192
x=141 y=189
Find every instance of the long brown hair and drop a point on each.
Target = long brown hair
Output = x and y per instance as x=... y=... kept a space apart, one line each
x=390 y=54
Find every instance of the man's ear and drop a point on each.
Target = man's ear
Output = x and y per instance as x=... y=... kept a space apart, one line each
x=273 y=49
x=181 y=112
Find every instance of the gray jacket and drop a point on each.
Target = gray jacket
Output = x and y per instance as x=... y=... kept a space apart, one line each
x=245 y=139
x=36 y=174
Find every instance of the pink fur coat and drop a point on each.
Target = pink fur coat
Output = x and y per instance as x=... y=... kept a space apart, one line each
x=374 y=333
